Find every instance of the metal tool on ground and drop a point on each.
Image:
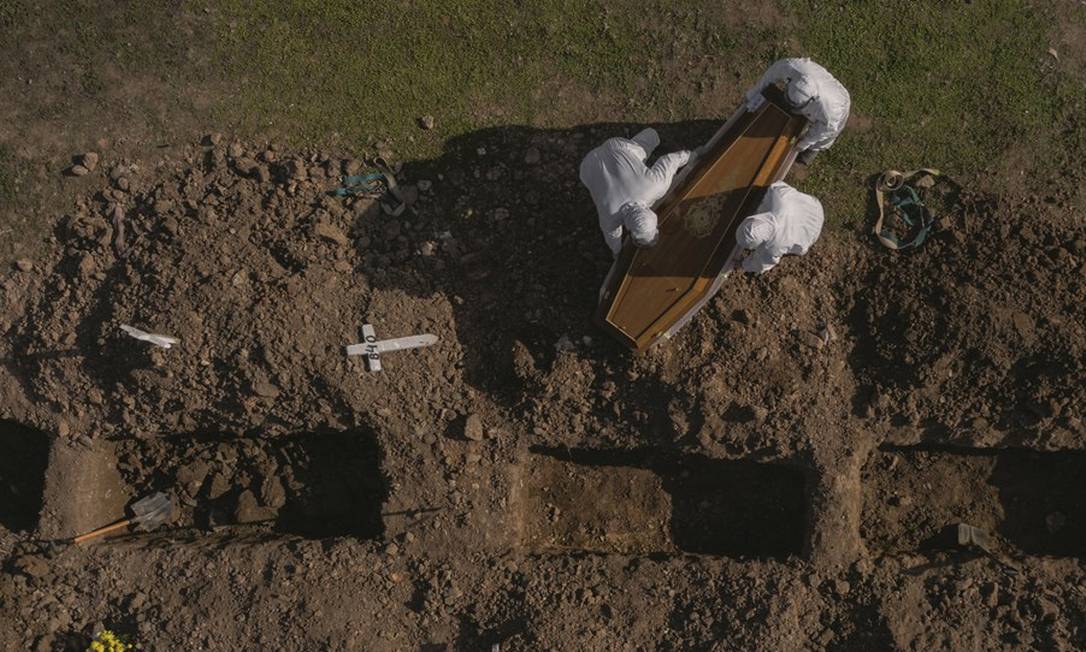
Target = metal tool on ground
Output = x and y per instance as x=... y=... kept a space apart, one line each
x=163 y=341
x=147 y=513
x=372 y=348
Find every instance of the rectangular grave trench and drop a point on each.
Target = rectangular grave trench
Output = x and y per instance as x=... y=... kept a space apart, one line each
x=648 y=501
x=313 y=485
x=24 y=455
x=1031 y=501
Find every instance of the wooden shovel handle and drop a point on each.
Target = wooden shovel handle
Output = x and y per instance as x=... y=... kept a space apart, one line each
x=102 y=530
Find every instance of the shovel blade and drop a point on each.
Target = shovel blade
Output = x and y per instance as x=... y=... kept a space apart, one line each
x=152 y=511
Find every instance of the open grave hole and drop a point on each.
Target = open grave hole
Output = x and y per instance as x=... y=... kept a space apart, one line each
x=24 y=456
x=314 y=485
x=648 y=501
x=1031 y=501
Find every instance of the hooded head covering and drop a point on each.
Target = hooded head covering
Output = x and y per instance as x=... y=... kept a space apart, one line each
x=755 y=230
x=801 y=91
x=648 y=139
x=640 y=221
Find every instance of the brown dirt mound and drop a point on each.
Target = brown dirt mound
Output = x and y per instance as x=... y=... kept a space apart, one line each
x=526 y=481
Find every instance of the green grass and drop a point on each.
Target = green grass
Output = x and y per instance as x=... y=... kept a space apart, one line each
x=322 y=66
x=946 y=85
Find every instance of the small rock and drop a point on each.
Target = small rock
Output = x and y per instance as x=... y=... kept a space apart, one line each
x=272 y=492
x=425 y=185
x=812 y=340
x=138 y=600
x=531 y=157
x=296 y=169
x=473 y=428
x=191 y=476
x=392 y=550
x=266 y=389
x=842 y=587
x=1055 y=522
x=220 y=484
x=32 y=566
x=428 y=248
x=89 y=160
x=78 y=170
x=330 y=233
x=24 y=265
x=249 y=511
x=426 y=122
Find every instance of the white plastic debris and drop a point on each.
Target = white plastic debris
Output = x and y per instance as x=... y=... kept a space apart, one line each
x=372 y=348
x=164 y=341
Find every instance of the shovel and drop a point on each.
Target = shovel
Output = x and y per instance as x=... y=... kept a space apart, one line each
x=148 y=513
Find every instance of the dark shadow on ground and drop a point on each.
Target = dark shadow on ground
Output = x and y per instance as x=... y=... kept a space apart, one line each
x=718 y=507
x=513 y=242
x=23 y=460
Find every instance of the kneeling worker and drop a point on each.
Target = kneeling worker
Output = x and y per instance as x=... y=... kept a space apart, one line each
x=812 y=92
x=788 y=222
x=624 y=188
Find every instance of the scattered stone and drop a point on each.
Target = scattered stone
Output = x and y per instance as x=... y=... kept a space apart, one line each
x=531 y=157
x=409 y=194
x=272 y=492
x=33 y=566
x=331 y=233
x=89 y=160
x=296 y=169
x=249 y=511
x=220 y=484
x=428 y=248
x=266 y=389
x=191 y=476
x=78 y=170
x=426 y=122
x=425 y=185
x=473 y=428
x=24 y=265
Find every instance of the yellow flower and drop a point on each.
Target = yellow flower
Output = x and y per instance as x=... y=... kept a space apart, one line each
x=107 y=641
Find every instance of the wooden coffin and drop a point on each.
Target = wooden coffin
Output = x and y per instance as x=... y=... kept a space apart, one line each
x=651 y=293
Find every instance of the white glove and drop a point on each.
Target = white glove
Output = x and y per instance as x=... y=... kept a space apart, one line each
x=755 y=100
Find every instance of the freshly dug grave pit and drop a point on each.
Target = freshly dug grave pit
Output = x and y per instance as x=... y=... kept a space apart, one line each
x=1032 y=501
x=22 y=475
x=314 y=485
x=648 y=501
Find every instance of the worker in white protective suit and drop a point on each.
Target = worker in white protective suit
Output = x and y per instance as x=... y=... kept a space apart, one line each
x=813 y=92
x=788 y=222
x=624 y=188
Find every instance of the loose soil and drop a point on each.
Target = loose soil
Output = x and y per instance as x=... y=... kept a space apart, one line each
x=525 y=481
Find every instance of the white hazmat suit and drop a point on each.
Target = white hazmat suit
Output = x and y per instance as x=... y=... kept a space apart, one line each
x=788 y=222
x=814 y=93
x=624 y=188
